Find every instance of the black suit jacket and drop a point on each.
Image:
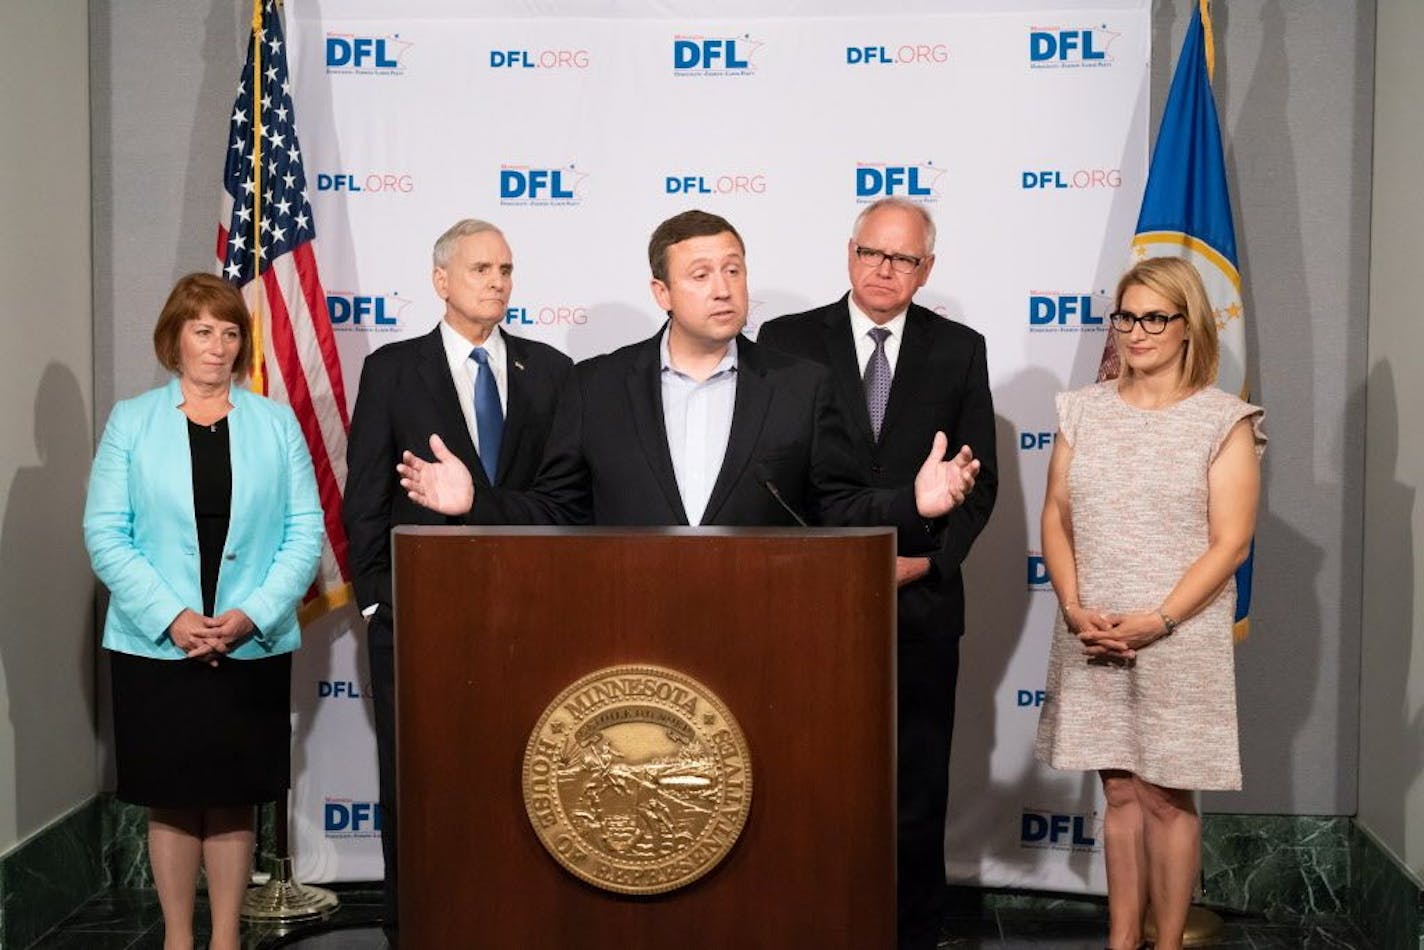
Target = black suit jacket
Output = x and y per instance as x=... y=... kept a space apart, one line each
x=406 y=393
x=607 y=460
x=941 y=383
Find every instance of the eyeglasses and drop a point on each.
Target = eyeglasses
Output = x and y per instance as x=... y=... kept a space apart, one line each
x=899 y=263
x=1154 y=322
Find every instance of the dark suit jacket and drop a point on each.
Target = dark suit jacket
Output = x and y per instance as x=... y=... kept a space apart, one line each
x=406 y=393
x=941 y=383
x=607 y=461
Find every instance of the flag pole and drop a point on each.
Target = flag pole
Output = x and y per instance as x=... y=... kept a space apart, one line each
x=282 y=900
x=259 y=369
x=1208 y=39
x=1203 y=925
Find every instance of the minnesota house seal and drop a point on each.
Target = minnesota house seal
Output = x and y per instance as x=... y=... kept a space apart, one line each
x=637 y=779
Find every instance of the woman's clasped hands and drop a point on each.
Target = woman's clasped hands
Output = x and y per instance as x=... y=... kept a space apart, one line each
x=202 y=637
x=1114 y=635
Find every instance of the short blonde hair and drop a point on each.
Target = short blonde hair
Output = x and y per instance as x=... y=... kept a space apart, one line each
x=1180 y=284
x=190 y=297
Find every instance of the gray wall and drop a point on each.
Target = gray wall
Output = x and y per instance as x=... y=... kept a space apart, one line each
x=47 y=762
x=163 y=81
x=1392 y=681
x=1294 y=82
x=1294 y=86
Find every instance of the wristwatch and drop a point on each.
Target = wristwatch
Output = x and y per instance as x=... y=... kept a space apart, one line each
x=1168 y=623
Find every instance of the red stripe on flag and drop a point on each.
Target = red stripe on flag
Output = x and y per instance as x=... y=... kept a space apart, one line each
x=221 y=251
x=299 y=398
x=315 y=296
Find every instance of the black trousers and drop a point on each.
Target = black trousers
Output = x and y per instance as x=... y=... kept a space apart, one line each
x=928 y=671
x=380 y=649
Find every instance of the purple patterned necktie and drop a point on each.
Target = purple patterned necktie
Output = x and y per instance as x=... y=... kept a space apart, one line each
x=877 y=380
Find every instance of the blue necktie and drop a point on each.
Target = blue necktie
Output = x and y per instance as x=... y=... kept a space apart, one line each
x=489 y=417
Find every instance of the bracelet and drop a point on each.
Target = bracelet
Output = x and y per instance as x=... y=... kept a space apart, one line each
x=1168 y=624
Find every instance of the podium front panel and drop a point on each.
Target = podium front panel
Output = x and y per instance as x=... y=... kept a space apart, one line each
x=793 y=630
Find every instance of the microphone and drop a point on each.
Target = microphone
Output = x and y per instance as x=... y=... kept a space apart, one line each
x=770 y=486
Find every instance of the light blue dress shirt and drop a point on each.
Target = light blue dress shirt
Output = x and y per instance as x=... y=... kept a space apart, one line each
x=698 y=419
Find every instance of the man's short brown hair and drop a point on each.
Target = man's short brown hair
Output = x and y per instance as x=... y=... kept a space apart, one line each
x=192 y=296
x=682 y=227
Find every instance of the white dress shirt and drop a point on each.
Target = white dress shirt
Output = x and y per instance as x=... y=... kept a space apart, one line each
x=463 y=369
x=860 y=327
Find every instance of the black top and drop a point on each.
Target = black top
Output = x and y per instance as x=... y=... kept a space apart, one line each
x=212 y=500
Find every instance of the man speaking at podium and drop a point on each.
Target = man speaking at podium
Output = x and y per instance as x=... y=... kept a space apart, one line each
x=699 y=426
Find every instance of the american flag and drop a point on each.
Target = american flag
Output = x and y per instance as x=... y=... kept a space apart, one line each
x=297 y=362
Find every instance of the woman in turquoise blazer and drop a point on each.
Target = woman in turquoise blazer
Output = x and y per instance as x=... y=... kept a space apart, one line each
x=204 y=522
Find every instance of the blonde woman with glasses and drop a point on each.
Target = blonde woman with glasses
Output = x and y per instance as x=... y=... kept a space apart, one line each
x=1150 y=508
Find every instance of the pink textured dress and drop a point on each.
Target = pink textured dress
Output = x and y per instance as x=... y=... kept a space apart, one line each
x=1137 y=491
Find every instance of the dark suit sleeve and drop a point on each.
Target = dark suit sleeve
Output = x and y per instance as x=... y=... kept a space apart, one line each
x=771 y=335
x=838 y=488
x=562 y=491
x=370 y=482
x=974 y=428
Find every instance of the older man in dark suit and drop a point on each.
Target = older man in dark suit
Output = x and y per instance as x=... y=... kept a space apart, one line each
x=700 y=426
x=904 y=373
x=489 y=395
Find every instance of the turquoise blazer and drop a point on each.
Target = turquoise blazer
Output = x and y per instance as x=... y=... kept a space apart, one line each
x=142 y=535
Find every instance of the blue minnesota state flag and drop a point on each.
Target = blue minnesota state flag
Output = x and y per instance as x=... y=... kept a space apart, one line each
x=1186 y=213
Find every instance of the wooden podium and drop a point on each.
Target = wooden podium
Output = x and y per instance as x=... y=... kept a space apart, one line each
x=793 y=629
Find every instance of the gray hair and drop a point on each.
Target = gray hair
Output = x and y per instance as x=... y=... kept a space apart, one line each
x=907 y=205
x=445 y=244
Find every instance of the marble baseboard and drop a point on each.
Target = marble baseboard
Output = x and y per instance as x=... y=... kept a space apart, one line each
x=1295 y=868
x=1289 y=869
x=48 y=876
x=125 y=845
x=1049 y=904
x=1284 y=867
x=1387 y=901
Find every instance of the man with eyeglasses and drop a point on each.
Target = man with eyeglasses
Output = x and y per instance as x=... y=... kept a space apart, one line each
x=902 y=373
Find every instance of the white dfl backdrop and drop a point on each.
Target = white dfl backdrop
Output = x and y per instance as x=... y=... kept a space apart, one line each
x=1023 y=130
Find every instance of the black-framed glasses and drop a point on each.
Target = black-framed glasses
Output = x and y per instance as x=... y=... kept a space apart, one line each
x=1153 y=322
x=899 y=263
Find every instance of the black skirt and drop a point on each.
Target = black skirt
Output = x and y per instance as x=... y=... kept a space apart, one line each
x=187 y=734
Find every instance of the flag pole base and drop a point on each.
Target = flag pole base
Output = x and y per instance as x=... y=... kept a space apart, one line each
x=283 y=900
x=1202 y=930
